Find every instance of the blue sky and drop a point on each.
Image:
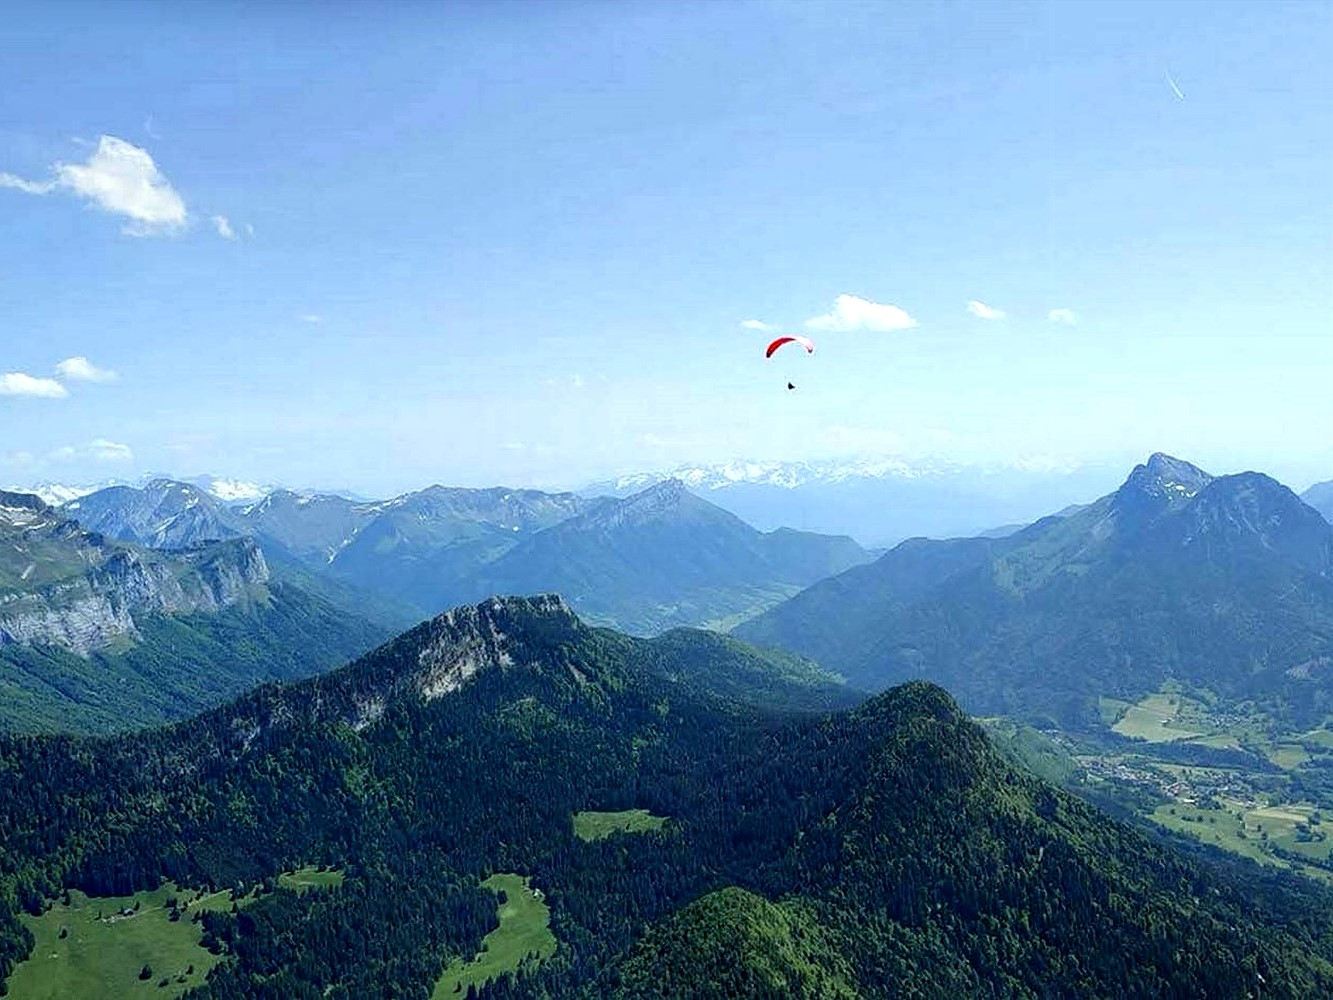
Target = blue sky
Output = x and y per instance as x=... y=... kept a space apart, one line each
x=479 y=243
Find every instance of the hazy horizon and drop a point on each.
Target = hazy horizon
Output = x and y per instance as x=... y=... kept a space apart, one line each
x=1070 y=483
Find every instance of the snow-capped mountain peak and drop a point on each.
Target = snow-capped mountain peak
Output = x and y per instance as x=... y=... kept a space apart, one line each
x=231 y=491
x=786 y=475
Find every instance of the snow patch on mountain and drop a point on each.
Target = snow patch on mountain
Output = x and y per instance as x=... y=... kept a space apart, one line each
x=56 y=494
x=792 y=475
x=231 y=490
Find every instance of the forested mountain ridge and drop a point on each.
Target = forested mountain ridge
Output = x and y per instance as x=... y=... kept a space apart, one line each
x=887 y=850
x=1225 y=584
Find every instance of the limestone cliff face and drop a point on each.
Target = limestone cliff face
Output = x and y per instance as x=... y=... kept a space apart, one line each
x=435 y=660
x=87 y=611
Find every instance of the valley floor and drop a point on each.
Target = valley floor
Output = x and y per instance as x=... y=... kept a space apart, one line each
x=1226 y=777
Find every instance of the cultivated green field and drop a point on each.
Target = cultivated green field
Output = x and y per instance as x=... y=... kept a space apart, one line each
x=1110 y=709
x=1318 y=737
x=105 y=948
x=1154 y=719
x=1220 y=741
x=524 y=935
x=1252 y=831
x=1286 y=755
x=599 y=825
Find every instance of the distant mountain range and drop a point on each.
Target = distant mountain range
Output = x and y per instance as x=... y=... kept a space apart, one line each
x=657 y=559
x=881 y=501
x=1320 y=497
x=887 y=850
x=1096 y=600
x=665 y=557
x=878 y=501
x=1224 y=584
x=226 y=490
x=133 y=604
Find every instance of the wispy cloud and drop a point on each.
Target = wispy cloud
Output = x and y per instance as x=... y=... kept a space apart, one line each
x=97 y=450
x=760 y=325
x=80 y=369
x=20 y=384
x=311 y=318
x=1180 y=96
x=1062 y=316
x=27 y=187
x=983 y=311
x=853 y=313
x=119 y=178
x=575 y=381
x=223 y=226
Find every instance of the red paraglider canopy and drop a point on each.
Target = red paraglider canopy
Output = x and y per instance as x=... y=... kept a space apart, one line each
x=805 y=342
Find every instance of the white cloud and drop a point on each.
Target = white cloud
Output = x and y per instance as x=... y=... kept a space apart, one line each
x=983 y=311
x=760 y=325
x=119 y=178
x=80 y=369
x=27 y=187
x=97 y=450
x=311 y=318
x=1062 y=316
x=223 y=226
x=19 y=384
x=852 y=313
x=110 y=451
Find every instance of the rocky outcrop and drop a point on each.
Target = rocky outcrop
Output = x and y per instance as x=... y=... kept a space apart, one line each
x=87 y=612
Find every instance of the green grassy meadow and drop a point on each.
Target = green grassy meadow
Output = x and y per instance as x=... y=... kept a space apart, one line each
x=524 y=935
x=104 y=948
x=304 y=879
x=599 y=825
x=103 y=951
